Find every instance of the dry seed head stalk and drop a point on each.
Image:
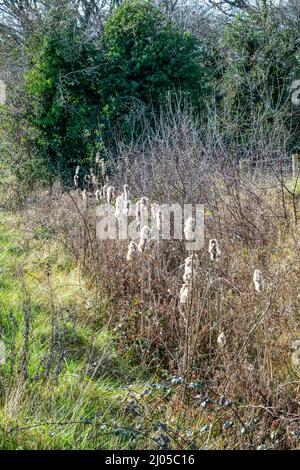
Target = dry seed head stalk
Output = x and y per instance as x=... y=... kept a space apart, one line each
x=185 y=292
x=295 y=358
x=110 y=194
x=214 y=250
x=103 y=168
x=93 y=177
x=126 y=207
x=104 y=191
x=191 y=266
x=87 y=179
x=98 y=194
x=126 y=191
x=222 y=340
x=76 y=181
x=189 y=229
x=142 y=210
x=119 y=205
x=144 y=237
x=159 y=220
x=133 y=251
x=258 y=280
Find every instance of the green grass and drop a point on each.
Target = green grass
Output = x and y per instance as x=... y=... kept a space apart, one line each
x=74 y=390
x=65 y=384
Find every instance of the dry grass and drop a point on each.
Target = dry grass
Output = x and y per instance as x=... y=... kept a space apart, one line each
x=246 y=391
x=255 y=221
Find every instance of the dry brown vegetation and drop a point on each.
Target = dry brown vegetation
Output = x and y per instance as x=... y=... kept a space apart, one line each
x=252 y=210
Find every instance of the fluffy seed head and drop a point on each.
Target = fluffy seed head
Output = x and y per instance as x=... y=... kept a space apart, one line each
x=221 y=339
x=126 y=190
x=184 y=293
x=296 y=345
x=133 y=251
x=76 y=181
x=295 y=358
x=144 y=237
x=258 y=280
x=98 y=194
x=103 y=168
x=191 y=265
x=214 y=250
x=189 y=228
x=159 y=220
x=110 y=194
x=145 y=233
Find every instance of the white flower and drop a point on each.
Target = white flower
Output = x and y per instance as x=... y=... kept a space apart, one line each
x=221 y=340
x=258 y=280
x=214 y=250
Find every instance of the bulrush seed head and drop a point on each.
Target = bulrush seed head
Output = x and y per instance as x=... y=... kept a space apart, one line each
x=189 y=229
x=258 y=280
x=295 y=358
x=104 y=191
x=76 y=181
x=214 y=250
x=296 y=345
x=159 y=220
x=103 y=168
x=126 y=191
x=119 y=205
x=133 y=251
x=185 y=293
x=98 y=194
x=144 y=237
x=127 y=207
x=142 y=210
x=191 y=266
x=221 y=340
x=110 y=194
